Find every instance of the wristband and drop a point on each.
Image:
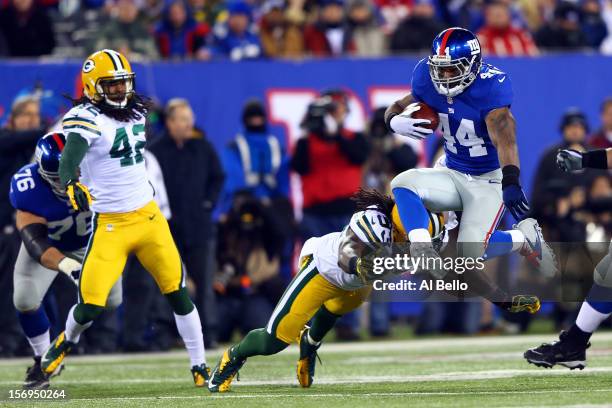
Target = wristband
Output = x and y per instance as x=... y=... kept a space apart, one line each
x=595 y=159
x=510 y=176
x=388 y=120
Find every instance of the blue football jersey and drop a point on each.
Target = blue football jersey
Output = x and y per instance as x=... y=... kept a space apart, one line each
x=468 y=147
x=68 y=230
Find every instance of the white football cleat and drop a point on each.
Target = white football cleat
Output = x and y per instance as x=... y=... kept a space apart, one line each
x=535 y=250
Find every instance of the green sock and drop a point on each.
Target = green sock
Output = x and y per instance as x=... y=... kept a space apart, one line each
x=258 y=342
x=322 y=322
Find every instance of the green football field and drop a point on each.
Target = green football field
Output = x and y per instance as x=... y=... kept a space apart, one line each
x=439 y=372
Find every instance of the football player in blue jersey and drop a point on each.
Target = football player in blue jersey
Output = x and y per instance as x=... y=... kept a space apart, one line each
x=570 y=350
x=54 y=240
x=480 y=173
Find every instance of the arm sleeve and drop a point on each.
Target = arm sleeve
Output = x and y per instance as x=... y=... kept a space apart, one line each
x=356 y=149
x=300 y=160
x=72 y=155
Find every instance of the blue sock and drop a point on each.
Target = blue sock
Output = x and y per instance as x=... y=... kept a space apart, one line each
x=600 y=298
x=411 y=210
x=500 y=243
x=34 y=323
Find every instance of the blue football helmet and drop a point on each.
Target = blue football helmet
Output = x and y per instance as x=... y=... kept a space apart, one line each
x=48 y=152
x=454 y=61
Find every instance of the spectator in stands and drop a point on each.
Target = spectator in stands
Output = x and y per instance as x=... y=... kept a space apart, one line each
x=564 y=31
x=393 y=13
x=247 y=282
x=499 y=37
x=236 y=39
x=208 y=12
x=27 y=29
x=193 y=177
x=255 y=161
x=603 y=138
x=606 y=45
x=17 y=143
x=537 y=12
x=367 y=35
x=329 y=159
x=592 y=23
x=329 y=35
x=555 y=191
x=178 y=35
x=127 y=33
x=281 y=36
x=417 y=32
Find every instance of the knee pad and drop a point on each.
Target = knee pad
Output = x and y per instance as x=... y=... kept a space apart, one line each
x=24 y=301
x=180 y=302
x=404 y=180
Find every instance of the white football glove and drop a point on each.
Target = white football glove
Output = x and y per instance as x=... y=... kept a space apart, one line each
x=71 y=268
x=404 y=125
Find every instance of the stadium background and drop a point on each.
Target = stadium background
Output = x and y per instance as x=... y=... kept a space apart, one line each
x=546 y=83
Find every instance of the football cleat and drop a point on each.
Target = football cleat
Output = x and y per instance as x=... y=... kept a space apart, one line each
x=35 y=378
x=431 y=261
x=308 y=360
x=51 y=361
x=225 y=371
x=560 y=352
x=524 y=303
x=201 y=375
x=535 y=250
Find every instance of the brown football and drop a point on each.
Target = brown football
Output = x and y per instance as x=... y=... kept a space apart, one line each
x=426 y=112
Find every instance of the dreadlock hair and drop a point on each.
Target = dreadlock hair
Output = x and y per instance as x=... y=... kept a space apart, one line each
x=365 y=198
x=137 y=107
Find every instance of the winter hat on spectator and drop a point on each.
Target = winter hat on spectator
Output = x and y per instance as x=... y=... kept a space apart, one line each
x=567 y=11
x=239 y=7
x=324 y=3
x=574 y=116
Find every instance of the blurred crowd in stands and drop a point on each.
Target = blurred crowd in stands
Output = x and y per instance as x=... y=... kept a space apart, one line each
x=255 y=29
x=233 y=220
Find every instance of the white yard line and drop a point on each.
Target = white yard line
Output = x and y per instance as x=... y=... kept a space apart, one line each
x=450 y=376
x=426 y=344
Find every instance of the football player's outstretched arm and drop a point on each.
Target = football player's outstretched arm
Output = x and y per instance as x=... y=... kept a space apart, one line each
x=33 y=232
x=72 y=156
x=502 y=130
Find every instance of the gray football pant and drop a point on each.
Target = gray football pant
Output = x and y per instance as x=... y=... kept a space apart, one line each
x=31 y=282
x=603 y=270
x=478 y=197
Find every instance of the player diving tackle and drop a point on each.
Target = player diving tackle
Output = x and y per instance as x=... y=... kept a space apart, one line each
x=480 y=173
x=335 y=277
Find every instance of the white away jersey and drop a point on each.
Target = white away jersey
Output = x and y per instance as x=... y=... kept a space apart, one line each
x=113 y=168
x=370 y=226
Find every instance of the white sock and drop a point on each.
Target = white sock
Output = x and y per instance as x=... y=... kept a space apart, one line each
x=74 y=329
x=40 y=343
x=589 y=319
x=518 y=239
x=419 y=235
x=311 y=340
x=190 y=329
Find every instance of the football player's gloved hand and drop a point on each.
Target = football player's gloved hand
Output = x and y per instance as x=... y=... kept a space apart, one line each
x=513 y=194
x=71 y=268
x=569 y=160
x=405 y=125
x=79 y=195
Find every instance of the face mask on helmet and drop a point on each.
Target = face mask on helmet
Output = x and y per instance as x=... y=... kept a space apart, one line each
x=54 y=182
x=451 y=77
x=117 y=91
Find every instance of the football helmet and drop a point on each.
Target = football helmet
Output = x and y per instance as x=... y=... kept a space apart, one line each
x=103 y=69
x=436 y=226
x=454 y=61
x=47 y=155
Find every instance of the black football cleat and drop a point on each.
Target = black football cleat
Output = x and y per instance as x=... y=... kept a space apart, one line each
x=561 y=352
x=35 y=378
